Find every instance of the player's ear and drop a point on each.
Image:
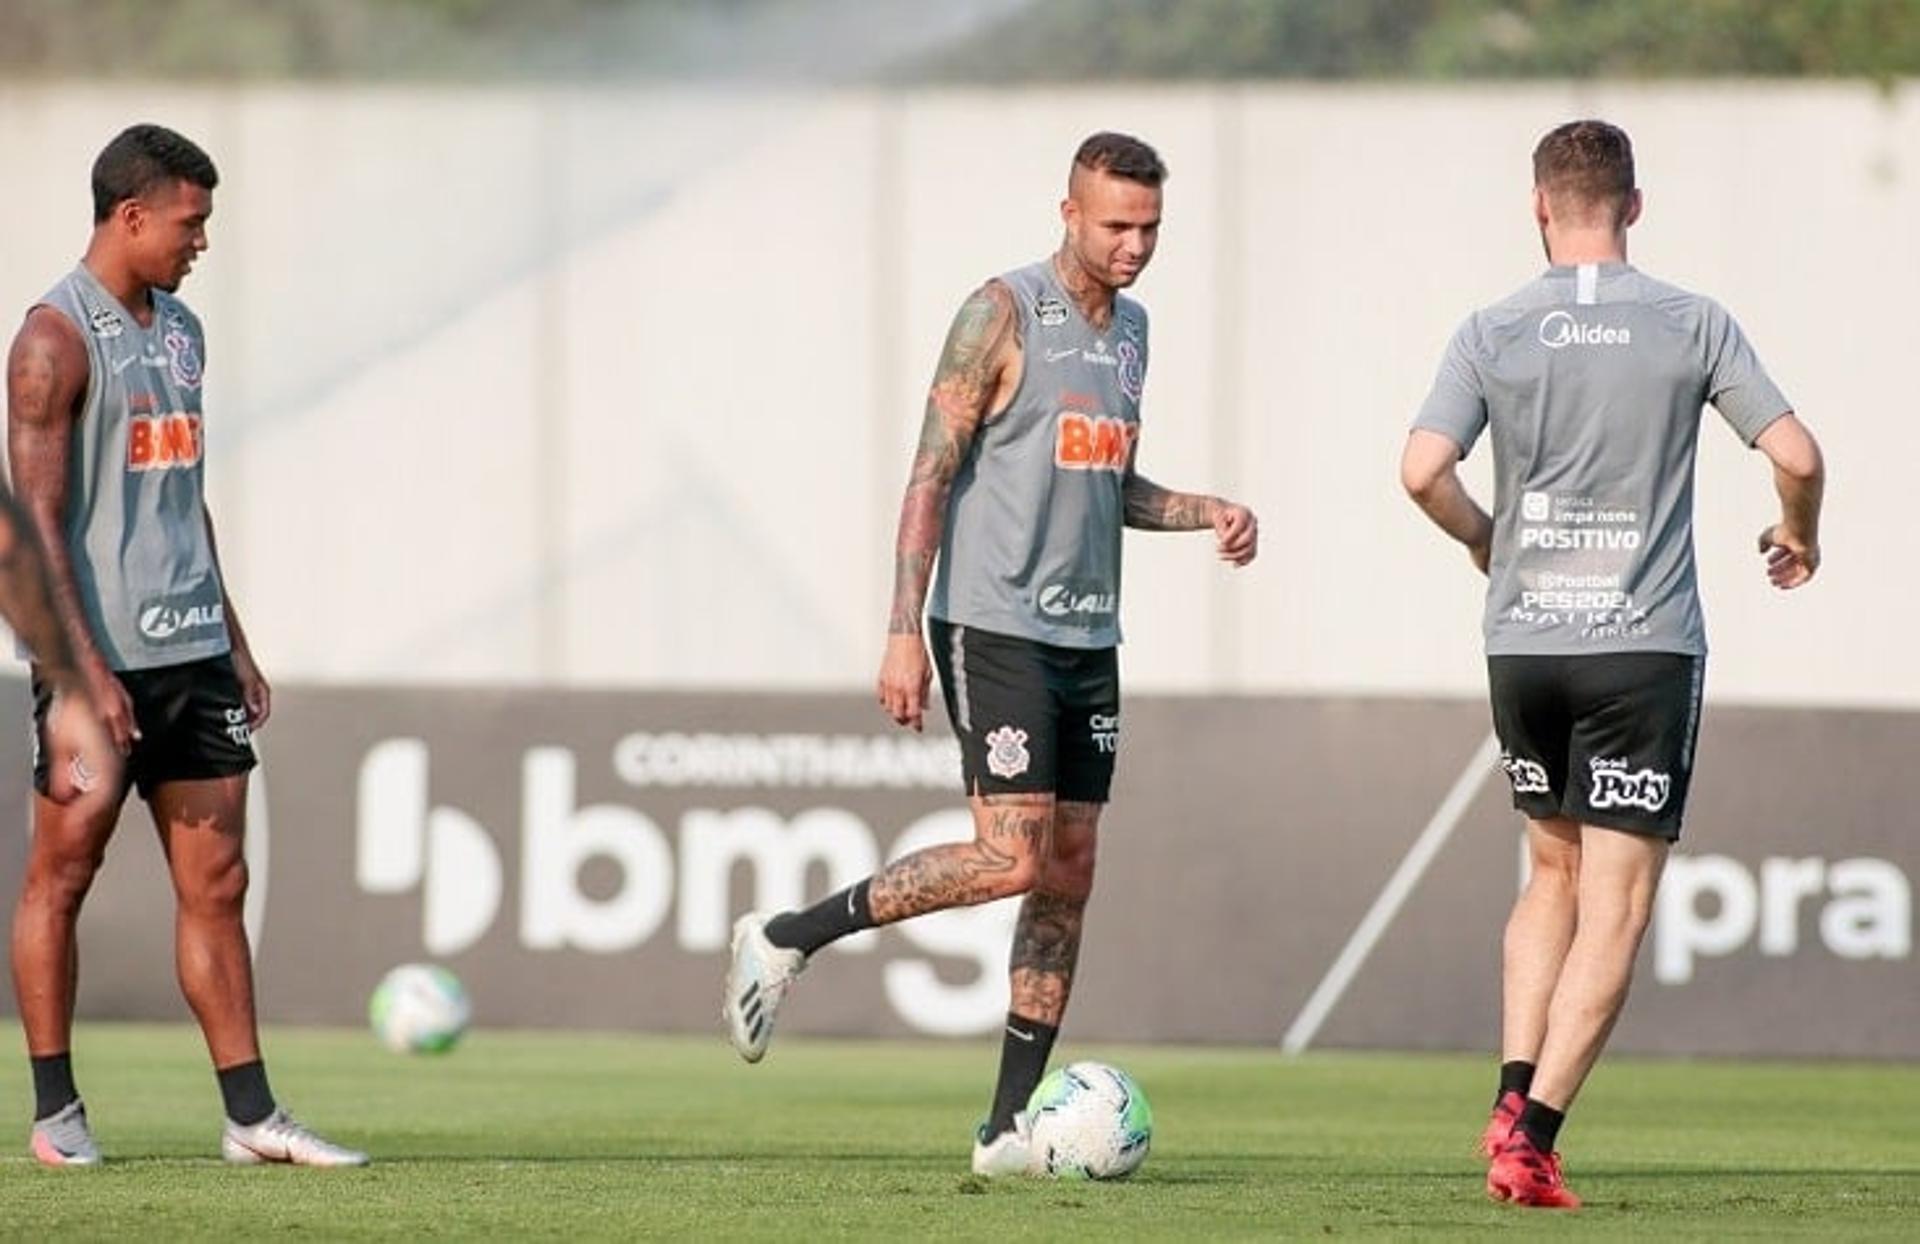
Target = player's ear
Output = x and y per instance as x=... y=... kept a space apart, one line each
x=1634 y=203
x=1542 y=211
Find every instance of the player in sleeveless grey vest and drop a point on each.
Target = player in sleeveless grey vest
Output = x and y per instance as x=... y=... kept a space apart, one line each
x=1590 y=380
x=104 y=426
x=1022 y=482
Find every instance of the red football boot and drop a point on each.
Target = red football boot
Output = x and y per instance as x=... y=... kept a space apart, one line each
x=1506 y=1112
x=1524 y=1175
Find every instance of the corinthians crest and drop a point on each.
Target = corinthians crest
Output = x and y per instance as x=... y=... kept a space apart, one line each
x=1007 y=755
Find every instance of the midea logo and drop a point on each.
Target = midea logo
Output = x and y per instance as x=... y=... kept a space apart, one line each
x=1558 y=330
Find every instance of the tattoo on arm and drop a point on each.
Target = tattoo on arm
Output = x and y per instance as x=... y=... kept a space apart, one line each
x=964 y=384
x=1149 y=507
x=24 y=600
x=46 y=373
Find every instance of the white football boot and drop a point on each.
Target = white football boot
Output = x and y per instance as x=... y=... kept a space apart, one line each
x=757 y=982
x=64 y=1139
x=1009 y=1153
x=281 y=1138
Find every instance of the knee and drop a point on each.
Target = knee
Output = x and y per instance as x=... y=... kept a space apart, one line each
x=1558 y=868
x=220 y=890
x=62 y=879
x=1069 y=873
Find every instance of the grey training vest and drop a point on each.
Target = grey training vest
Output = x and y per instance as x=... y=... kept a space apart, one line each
x=1034 y=520
x=136 y=520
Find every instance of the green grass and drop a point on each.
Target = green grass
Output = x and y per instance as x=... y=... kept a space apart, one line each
x=552 y=1135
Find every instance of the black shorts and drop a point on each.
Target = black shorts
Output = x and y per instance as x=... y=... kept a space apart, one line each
x=193 y=724
x=1032 y=717
x=1604 y=739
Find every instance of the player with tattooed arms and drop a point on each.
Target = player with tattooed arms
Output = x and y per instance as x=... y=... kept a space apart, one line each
x=1020 y=487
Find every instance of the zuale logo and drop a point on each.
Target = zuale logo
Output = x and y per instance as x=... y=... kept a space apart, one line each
x=1558 y=330
x=161 y=622
x=1057 y=600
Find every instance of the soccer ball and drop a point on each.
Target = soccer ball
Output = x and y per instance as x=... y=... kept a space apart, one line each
x=1090 y=1121
x=419 y=1008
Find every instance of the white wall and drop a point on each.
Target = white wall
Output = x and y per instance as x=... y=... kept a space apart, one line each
x=619 y=387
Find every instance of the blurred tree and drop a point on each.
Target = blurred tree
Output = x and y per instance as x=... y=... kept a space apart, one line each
x=1441 y=39
x=1033 y=41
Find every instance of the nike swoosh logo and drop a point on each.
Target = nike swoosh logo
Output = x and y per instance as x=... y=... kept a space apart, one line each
x=1054 y=356
x=1024 y=1036
x=121 y=364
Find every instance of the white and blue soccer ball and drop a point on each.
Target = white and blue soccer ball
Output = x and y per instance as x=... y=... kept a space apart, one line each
x=419 y=1008
x=1090 y=1121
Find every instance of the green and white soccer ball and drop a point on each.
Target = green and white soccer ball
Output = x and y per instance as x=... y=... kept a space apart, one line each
x=419 y=1008
x=1090 y=1121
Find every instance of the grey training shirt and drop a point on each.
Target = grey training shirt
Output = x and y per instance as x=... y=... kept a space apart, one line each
x=136 y=522
x=1591 y=380
x=1034 y=520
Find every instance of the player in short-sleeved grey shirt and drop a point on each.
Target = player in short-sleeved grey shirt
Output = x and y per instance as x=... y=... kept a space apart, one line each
x=1592 y=379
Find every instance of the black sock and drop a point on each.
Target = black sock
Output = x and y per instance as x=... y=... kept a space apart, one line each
x=244 y=1087
x=828 y=920
x=53 y=1089
x=1541 y=1124
x=1515 y=1077
x=1024 y=1051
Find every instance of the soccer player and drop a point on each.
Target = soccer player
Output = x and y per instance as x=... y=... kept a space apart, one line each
x=1591 y=379
x=104 y=429
x=1019 y=489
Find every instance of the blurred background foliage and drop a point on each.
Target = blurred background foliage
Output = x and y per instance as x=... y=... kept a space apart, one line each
x=960 y=40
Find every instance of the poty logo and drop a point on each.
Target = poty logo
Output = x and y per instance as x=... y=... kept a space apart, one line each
x=1558 y=330
x=162 y=622
x=406 y=842
x=1057 y=600
x=1613 y=787
x=163 y=442
x=1093 y=442
x=1536 y=507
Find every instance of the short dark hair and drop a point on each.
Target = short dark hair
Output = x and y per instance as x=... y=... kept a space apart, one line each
x=1121 y=155
x=141 y=157
x=1590 y=162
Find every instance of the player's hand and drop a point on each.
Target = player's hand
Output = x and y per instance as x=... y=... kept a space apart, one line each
x=1237 y=532
x=905 y=675
x=112 y=706
x=1791 y=561
x=80 y=757
x=254 y=691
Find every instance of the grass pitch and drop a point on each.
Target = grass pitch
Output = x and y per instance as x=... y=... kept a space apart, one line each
x=555 y=1135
